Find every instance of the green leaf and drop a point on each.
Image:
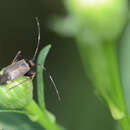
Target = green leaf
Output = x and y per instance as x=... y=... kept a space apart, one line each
x=40 y=82
x=13 y=121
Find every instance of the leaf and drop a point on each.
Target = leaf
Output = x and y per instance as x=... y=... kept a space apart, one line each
x=13 y=121
x=40 y=82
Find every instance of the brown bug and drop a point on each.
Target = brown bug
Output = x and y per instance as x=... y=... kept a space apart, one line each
x=23 y=67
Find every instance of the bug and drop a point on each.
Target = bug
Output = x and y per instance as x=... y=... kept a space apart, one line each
x=23 y=67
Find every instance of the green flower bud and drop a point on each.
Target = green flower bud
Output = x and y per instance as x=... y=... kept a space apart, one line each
x=101 y=18
x=16 y=94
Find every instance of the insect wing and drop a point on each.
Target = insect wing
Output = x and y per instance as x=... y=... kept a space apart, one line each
x=17 y=69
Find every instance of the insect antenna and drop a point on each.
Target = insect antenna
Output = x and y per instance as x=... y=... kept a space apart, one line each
x=38 y=38
x=34 y=57
x=52 y=80
x=56 y=89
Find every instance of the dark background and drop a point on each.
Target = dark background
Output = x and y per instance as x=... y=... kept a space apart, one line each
x=79 y=109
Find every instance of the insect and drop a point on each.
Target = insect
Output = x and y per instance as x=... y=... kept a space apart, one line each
x=23 y=67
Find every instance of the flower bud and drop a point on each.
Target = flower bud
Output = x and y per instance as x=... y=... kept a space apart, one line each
x=103 y=18
x=16 y=94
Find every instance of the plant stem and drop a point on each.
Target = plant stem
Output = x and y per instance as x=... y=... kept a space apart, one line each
x=41 y=117
x=101 y=61
x=125 y=123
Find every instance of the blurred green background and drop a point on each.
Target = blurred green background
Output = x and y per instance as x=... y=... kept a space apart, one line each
x=79 y=109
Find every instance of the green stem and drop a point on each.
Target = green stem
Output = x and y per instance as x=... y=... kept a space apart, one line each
x=41 y=117
x=100 y=61
x=14 y=111
x=125 y=123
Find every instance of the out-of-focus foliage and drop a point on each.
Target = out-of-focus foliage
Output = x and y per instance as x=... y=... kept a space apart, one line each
x=99 y=18
x=79 y=108
x=124 y=55
x=10 y=121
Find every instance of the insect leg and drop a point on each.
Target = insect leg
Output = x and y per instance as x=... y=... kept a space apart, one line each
x=30 y=78
x=17 y=55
